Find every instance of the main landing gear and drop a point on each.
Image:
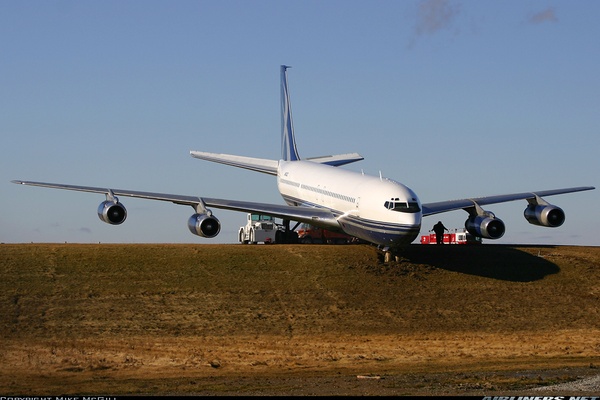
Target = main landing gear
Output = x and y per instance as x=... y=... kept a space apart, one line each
x=287 y=235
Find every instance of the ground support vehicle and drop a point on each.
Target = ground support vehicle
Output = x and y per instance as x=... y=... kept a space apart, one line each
x=259 y=229
x=309 y=234
x=455 y=236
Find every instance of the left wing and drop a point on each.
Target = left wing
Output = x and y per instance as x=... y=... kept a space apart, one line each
x=315 y=216
x=450 y=205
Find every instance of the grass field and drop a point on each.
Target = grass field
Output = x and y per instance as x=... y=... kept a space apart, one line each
x=295 y=319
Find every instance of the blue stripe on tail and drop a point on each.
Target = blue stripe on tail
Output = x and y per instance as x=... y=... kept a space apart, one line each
x=288 y=141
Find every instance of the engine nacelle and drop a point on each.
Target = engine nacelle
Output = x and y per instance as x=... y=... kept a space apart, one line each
x=112 y=212
x=544 y=215
x=204 y=225
x=485 y=226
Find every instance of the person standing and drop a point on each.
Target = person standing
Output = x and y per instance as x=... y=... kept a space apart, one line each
x=439 y=229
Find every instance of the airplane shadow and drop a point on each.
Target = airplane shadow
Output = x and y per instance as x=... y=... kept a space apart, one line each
x=491 y=261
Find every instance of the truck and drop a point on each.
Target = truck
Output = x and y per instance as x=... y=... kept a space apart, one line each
x=259 y=229
x=309 y=234
x=455 y=236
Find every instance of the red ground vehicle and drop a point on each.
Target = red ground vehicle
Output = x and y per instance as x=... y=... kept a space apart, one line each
x=456 y=236
x=313 y=234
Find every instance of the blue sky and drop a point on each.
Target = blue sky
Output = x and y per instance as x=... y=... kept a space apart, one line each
x=453 y=98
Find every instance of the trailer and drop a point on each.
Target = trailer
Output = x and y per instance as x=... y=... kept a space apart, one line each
x=455 y=236
x=309 y=234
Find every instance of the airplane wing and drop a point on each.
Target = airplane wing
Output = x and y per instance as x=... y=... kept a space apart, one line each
x=315 y=216
x=450 y=205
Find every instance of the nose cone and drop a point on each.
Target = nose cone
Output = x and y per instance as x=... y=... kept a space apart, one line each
x=416 y=220
x=412 y=220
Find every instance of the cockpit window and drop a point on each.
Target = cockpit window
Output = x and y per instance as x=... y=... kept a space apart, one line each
x=402 y=206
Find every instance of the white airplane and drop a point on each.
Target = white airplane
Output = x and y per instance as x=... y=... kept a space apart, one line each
x=376 y=209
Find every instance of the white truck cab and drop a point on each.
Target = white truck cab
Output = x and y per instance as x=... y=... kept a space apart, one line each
x=258 y=228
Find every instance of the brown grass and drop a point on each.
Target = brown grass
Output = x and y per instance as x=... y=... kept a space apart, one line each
x=295 y=319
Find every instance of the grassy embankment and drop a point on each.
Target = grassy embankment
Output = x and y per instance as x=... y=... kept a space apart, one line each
x=164 y=318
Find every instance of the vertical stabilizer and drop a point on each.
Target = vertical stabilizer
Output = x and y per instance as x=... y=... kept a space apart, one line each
x=288 y=141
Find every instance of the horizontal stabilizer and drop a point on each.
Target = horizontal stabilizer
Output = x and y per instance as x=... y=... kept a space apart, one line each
x=337 y=160
x=263 y=165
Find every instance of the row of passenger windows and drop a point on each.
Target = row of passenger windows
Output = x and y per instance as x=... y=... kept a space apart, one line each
x=328 y=193
x=319 y=190
x=287 y=182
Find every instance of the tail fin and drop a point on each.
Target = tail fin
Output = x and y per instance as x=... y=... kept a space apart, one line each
x=288 y=141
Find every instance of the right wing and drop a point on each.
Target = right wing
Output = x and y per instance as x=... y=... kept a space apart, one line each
x=315 y=216
x=450 y=205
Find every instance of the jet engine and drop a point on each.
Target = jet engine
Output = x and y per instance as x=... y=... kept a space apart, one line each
x=485 y=226
x=112 y=212
x=204 y=225
x=544 y=215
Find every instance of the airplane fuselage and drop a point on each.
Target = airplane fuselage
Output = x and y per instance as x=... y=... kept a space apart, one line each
x=375 y=209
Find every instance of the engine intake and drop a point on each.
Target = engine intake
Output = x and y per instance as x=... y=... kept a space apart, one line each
x=204 y=225
x=112 y=212
x=544 y=215
x=485 y=226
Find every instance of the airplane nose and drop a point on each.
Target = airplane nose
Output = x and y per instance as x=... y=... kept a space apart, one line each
x=412 y=219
